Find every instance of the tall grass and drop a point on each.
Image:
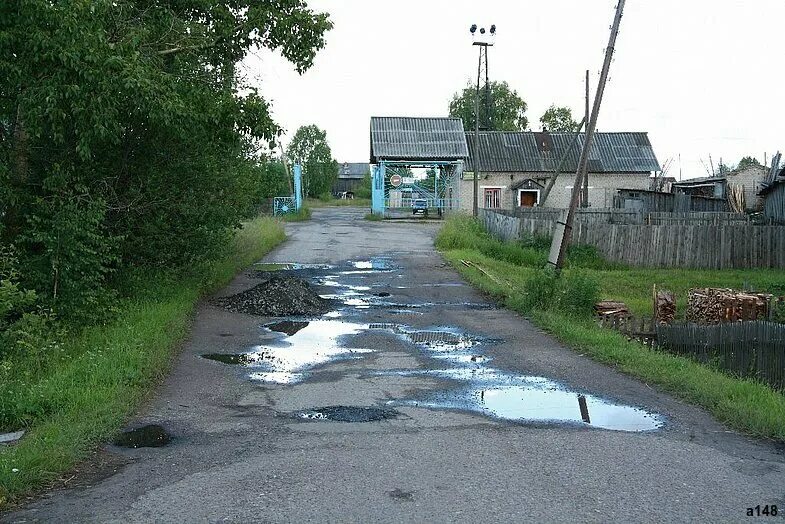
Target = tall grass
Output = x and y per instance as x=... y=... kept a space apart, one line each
x=93 y=381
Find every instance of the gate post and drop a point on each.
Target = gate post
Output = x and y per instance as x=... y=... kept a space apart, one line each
x=298 y=186
x=377 y=192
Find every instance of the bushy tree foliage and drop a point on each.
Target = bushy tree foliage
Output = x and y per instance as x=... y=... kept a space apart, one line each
x=501 y=108
x=748 y=161
x=126 y=133
x=558 y=120
x=310 y=149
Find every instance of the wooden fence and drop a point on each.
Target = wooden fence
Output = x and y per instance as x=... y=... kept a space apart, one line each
x=746 y=349
x=725 y=246
x=696 y=218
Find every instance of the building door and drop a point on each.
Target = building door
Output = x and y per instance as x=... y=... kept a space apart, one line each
x=527 y=198
x=493 y=197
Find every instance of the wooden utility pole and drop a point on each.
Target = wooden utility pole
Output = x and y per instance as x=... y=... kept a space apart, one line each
x=561 y=237
x=585 y=196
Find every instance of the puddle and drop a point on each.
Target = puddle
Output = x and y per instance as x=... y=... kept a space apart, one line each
x=288 y=266
x=286 y=360
x=531 y=399
x=290 y=327
x=375 y=263
x=348 y=414
x=150 y=436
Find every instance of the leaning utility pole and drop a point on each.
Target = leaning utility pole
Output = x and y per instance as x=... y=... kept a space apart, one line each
x=561 y=237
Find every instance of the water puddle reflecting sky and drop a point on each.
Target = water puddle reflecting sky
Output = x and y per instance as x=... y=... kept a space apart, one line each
x=287 y=360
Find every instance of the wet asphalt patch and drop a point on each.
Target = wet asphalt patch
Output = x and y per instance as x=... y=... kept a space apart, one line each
x=150 y=436
x=473 y=386
x=348 y=414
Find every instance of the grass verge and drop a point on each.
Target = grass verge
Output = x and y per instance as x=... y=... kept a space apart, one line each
x=742 y=404
x=303 y=214
x=95 y=380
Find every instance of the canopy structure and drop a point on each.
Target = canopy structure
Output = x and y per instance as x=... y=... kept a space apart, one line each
x=416 y=160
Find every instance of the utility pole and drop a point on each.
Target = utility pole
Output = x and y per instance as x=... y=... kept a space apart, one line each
x=483 y=40
x=561 y=237
x=476 y=163
x=585 y=196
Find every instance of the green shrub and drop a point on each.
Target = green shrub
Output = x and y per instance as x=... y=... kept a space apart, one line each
x=578 y=292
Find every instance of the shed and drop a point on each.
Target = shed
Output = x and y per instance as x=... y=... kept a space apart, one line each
x=350 y=176
x=714 y=186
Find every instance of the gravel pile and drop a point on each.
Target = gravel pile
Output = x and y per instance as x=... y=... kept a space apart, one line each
x=279 y=296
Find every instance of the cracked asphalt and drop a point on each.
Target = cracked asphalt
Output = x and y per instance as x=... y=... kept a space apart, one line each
x=237 y=454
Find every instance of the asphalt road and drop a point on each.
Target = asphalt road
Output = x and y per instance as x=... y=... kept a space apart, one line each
x=241 y=453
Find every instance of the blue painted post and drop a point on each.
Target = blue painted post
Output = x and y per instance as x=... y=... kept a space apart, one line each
x=298 y=186
x=377 y=194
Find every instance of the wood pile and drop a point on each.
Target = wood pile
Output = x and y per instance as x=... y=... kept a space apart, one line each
x=610 y=308
x=664 y=306
x=716 y=305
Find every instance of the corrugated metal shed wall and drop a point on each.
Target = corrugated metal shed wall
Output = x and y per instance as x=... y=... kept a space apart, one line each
x=530 y=151
x=407 y=138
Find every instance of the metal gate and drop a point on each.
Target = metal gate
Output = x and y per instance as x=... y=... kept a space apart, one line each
x=397 y=187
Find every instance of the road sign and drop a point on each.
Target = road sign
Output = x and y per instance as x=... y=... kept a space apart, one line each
x=395 y=180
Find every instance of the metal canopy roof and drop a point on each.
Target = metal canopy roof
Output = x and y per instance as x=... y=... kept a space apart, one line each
x=408 y=138
x=528 y=151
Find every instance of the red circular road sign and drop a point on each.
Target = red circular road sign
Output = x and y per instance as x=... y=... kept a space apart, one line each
x=395 y=180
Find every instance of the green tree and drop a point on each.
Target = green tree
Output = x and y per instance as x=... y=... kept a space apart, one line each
x=558 y=120
x=126 y=135
x=748 y=161
x=507 y=108
x=310 y=149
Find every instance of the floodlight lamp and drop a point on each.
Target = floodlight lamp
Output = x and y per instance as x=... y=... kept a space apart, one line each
x=493 y=29
x=473 y=28
x=482 y=30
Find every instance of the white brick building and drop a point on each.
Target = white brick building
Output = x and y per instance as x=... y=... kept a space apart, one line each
x=516 y=167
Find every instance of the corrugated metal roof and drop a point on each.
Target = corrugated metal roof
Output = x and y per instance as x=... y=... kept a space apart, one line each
x=408 y=138
x=527 y=151
x=353 y=169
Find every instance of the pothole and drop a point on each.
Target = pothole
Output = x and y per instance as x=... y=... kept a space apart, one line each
x=531 y=399
x=287 y=359
x=150 y=436
x=288 y=266
x=348 y=414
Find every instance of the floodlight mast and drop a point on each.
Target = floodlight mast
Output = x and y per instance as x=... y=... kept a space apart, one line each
x=484 y=40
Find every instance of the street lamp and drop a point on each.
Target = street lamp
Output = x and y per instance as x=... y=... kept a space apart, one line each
x=483 y=39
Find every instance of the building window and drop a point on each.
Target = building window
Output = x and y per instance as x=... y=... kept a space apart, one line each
x=493 y=197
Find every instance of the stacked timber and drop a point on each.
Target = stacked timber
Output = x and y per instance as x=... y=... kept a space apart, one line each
x=664 y=306
x=717 y=305
x=610 y=308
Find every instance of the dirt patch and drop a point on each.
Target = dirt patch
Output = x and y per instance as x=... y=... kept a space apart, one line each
x=280 y=296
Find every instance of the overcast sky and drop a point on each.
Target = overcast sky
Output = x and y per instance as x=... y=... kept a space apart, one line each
x=702 y=77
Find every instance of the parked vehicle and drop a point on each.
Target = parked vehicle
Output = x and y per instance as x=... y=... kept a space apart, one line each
x=420 y=207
